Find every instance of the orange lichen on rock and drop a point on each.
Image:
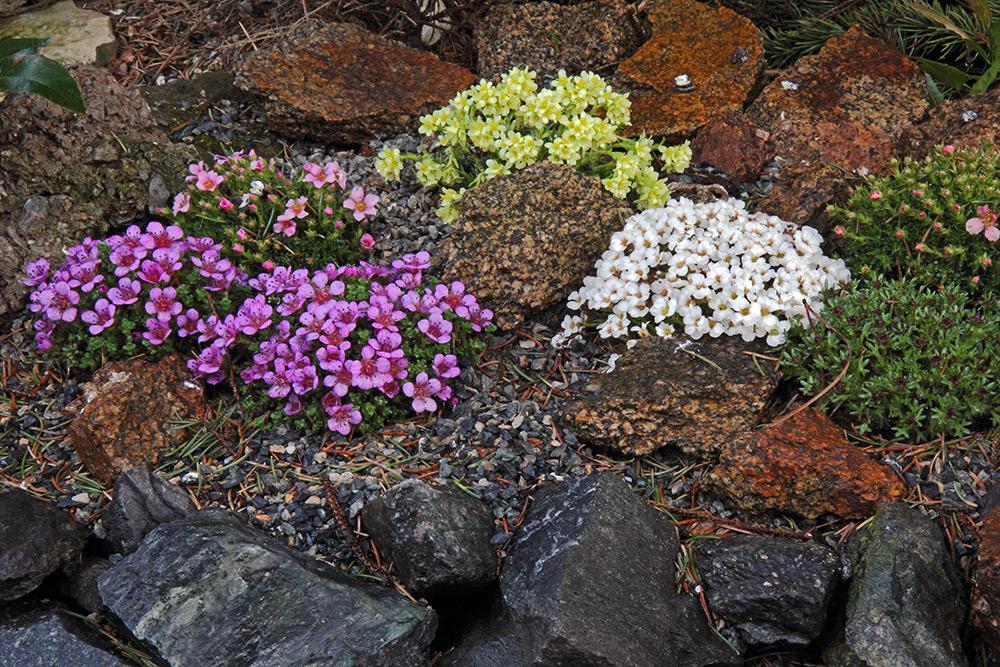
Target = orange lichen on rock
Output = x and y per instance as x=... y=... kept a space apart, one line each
x=125 y=420
x=804 y=466
x=722 y=53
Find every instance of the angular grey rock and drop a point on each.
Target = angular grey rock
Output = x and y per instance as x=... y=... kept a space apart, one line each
x=36 y=633
x=82 y=584
x=437 y=536
x=141 y=501
x=770 y=590
x=210 y=590
x=906 y=601
x=36 y=539
x=589 y=580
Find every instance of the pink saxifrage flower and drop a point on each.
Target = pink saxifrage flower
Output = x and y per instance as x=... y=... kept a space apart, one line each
x=986 y=223
x=421 y=391
x=182 y=202
x=100 y=318
x=209 y=180
x=367 y=241
x=363 y=205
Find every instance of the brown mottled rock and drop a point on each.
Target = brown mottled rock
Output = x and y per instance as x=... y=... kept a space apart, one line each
x=964 y=123
x=735 y=144
x=524 y=241
x=64 y=176
x=699 y=398
x=546 y=37
x=700 y=41
x=128 y=404
x=804 y=466
x=847 y=105
x=802 y=193
x=342 y=84
x=985 y=609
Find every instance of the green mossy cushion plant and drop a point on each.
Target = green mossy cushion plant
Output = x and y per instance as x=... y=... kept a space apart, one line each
x=922 y=361
x=914 y=222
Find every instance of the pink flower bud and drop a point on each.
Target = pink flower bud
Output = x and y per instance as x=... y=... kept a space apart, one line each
x=838 y=230
x=948 y=149
x=241 y=234
x=237 y=248
x=938 y=225
x=899 y=233
x=268 y=265
x=328 y=210
x=875 y=195
x=975 y=280
x=917 y=193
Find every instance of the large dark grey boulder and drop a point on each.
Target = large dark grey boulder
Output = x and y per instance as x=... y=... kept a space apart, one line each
x=39 y=633
x=210 y=590
x=141 y=501
x=906 y=601
x=36 y=539
x=770 y=590
x=437 y=536
x=589 y=581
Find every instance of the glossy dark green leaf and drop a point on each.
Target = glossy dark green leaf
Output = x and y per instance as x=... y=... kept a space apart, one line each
x=32 y=73
x=13 y=46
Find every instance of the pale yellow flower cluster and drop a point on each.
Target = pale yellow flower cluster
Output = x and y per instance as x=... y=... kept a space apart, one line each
x=492 y=129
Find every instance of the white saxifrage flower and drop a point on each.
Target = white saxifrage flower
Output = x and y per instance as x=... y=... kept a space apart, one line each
x=704 y=269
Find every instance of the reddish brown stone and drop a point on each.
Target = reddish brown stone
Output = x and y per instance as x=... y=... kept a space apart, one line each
x=700 y=41
x=847 y=106
x=945 y=125
x=128 y=404
x=985 y=614
x=519 y=243
x=342 y=84
x=734 y=144
x=699 y=399
x=803 y=192
x=804 y=466
x=592 y=36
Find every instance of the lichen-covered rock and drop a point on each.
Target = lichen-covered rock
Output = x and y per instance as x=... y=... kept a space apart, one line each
x=141 y=501
x=770 y=591
x=210 y=590
x=589 y=580
x=696 y=396
x=847 y=105
x=906 y=603
x=720 y=51
x=524 y=241
x=437 y=537
x=967 y=122
x=64 y=176
x=343 y=84
x=127 y=409
x=41 y=633
x=36 y=539
x=802 y=193
x=546 y=37
x=985 y=608
x=76 y=36
x=804 y=466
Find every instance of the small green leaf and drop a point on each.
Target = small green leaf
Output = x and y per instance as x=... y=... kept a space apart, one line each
x=952 y=76
x=37 y=74
x=937 y=97
x=986 y=79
